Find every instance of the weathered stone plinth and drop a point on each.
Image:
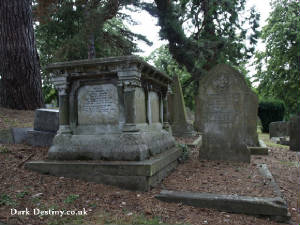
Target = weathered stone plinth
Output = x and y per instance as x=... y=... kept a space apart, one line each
x=134 y=175
x=123 y=146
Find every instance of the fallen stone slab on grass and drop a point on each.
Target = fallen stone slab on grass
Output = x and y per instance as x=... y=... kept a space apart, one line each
x=276 y=208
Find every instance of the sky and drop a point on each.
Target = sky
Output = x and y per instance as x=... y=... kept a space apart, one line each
x=147 y=26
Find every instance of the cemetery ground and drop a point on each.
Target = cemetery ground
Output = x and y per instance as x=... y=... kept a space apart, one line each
x=105 y=204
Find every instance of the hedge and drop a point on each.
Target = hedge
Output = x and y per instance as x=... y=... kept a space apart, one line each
x=270 y=110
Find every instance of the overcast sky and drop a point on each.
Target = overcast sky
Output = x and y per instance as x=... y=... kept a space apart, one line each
x=147 y=25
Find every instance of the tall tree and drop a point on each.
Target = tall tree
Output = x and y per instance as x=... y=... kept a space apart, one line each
x=76 y=29
x=279 y=65
x=79 y=29
x=202 y=33
x=20 y=84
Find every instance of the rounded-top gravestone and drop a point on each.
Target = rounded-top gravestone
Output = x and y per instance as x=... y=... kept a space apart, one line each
x=226 y=113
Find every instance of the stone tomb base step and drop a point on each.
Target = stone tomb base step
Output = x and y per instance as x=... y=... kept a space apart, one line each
x=133 y=175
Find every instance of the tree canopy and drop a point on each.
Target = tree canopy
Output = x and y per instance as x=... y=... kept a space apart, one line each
x=279 y=65
x=79 y=29
x=202 y=33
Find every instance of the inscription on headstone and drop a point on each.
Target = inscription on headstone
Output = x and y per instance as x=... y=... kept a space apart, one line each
x=221 y=115
x=97 y=104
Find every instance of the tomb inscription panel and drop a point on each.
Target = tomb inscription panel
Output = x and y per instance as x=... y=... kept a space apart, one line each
x=98 y=104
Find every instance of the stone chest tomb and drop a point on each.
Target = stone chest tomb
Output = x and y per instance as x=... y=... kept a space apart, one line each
x=113 y=110
x=226 y=113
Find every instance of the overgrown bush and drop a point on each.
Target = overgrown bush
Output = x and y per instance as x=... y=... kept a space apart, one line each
x=270 y=110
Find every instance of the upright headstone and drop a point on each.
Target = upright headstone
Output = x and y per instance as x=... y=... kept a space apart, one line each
x=179 y=122
x=279 y=129
x=295 y=133
x=226 y=113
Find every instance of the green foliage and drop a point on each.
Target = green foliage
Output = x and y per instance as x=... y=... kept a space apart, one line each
x=64 y=29
x=270 y=110
x=204 y=33
x=6 y=200
x=71 y=199
x=279 y=65
x=162 y=60
x=4 y=149
x=22 y=194
x=50 y=94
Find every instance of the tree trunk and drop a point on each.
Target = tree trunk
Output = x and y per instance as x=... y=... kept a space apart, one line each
x=20 y=84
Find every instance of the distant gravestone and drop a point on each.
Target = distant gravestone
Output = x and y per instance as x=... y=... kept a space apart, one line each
x=295 y=133
x=180 y=125
x=226 y=113
x=46 y=120
x=279 y=129
x=46 y=124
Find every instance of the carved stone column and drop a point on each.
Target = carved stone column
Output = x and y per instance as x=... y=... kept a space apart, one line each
x=148 y=105
x=130 y=108
x=161 y=108
x=130 y=78
x=61 y=85
x=166 y=124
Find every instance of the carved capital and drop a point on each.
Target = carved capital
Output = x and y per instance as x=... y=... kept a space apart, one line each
x=130 y=85
x=61 y=84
